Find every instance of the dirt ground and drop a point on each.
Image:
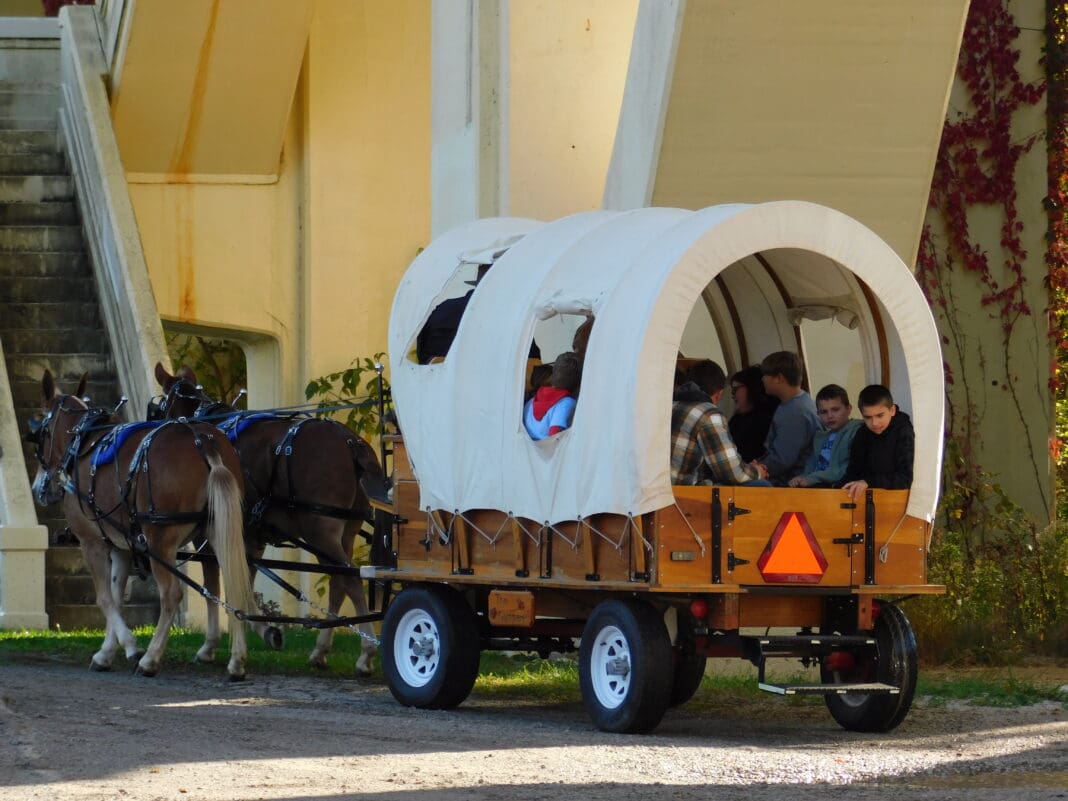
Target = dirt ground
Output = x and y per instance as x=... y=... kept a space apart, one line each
x=66 y=733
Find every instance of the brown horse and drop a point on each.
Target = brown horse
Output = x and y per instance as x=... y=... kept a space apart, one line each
x=144 y=490
x=302 y=485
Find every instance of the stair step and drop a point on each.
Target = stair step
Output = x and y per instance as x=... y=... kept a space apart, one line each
x=867 y=688
x=26 y=141
x=67 y=617
x=53 y=213
x=39 y=122
x=77 y=587
x=64 y=366
x=70 y=340
x=35 y=188
x=33 y=61
x=27 y=393
x=41 y=238
x=29 y=101
x=44 y=264
x=33 y=164
x=26 y=289
x=50 y=316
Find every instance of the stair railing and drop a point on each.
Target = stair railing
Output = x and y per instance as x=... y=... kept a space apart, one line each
x=118 y=260
x=22 y=541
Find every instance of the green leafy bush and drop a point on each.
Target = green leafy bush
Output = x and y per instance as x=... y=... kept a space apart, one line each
x=357 y=388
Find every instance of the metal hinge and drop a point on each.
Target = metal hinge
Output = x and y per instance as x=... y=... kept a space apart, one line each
x=735 y=511
x=733 y=561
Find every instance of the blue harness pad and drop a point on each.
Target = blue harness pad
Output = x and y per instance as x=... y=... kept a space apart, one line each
x=234 y=425
x=108 y=448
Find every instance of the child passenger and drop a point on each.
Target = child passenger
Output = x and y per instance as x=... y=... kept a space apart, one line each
x=881 y=456
x=789 y=439
x=549 y=411
x=830 y=447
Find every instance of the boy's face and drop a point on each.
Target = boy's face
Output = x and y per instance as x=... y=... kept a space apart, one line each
x=773 y=384
x=833 y=413
x=878 y=417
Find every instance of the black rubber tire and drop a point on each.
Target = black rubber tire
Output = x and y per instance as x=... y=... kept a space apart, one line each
x=639 y=638
x=689 y=670
x=443 y=677
x=895 y=663
x=689 y=666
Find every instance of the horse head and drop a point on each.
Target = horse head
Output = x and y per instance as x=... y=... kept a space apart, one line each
x=182 y=395
x=51 y=433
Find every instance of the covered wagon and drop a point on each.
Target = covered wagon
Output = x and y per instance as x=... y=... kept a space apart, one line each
x=497 y=541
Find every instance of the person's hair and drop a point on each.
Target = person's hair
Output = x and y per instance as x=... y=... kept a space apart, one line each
x=833 y=392
x=708 y=375
x=875 y=395
x=785 y=363
x=567 y=371
x=540 y=376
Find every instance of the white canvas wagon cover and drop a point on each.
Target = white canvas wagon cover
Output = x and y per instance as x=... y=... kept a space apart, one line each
x=640 y=273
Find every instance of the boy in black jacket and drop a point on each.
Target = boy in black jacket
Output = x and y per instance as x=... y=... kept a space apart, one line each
x=881 y=456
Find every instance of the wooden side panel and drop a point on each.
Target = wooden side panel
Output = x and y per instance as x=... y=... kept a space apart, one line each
x=402 y=468
x=906 y=553
x=759 y=512
x=684 y=538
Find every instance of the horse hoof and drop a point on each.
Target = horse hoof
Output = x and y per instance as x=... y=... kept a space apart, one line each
x=318 y=664
x=148 y=674
x=96 y=667
x=235 y=677
x=135 y=657
x=272 y=636
x=204 y=659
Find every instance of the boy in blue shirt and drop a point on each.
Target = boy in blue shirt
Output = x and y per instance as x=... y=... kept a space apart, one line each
x=830 y=448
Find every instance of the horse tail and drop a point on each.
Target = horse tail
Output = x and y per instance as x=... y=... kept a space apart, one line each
x=226 y=532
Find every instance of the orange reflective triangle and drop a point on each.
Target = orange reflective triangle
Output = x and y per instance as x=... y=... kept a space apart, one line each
x=792 y=553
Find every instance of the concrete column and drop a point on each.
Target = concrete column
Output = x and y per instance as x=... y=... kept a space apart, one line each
x=469 y=111
x=632 y=171
x=22 y=541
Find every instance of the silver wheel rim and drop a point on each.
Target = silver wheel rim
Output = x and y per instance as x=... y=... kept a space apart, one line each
x=417 y=648
x=610 y=667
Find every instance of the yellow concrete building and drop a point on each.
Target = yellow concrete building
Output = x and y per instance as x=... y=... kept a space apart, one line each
x=285 y=160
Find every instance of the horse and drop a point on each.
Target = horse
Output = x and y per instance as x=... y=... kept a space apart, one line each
x=302 y=474
x=139 y=492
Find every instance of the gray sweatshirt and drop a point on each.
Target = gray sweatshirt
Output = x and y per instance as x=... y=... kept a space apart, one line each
x=789 y=441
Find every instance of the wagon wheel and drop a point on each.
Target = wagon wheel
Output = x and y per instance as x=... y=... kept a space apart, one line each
x=894 y=662
x=430 y=648
x=689 y=666
x=624 y=659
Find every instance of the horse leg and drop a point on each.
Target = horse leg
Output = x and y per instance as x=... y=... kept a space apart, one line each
x=120 y=573
x=96 y=556
x=269 y=633
x=354 y=586
x=324 y=643
x=328 y=535
x=206 y=654
x=170 y=597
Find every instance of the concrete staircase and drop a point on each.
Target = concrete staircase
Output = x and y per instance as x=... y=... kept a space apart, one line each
x=49 y=313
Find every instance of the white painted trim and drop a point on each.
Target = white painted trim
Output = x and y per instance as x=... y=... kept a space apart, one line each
x=636 y=153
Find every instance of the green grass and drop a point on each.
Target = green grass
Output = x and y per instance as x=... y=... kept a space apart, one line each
x=523 y=678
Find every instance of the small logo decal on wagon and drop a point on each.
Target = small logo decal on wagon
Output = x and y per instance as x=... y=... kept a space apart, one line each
x=792 y=554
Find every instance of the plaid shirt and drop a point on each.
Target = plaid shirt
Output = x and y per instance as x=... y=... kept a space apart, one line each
x=702 y=451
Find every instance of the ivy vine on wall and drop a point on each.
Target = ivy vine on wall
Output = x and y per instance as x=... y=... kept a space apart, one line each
x=976 y=167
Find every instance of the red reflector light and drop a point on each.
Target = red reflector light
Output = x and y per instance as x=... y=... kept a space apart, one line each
x=699 y=608
x=839 y=661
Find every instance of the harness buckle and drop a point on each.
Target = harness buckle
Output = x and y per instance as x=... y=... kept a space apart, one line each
x=140 y=543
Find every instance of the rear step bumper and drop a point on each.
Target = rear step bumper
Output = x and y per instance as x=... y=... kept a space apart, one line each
x=871 y=688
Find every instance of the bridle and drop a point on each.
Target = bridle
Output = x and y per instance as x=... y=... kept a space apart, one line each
x=179 y=390
x=43 y=428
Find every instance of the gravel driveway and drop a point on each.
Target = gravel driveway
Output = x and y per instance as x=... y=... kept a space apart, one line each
x=66 y=733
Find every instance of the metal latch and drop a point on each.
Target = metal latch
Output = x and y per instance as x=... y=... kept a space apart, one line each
x=851 y=540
